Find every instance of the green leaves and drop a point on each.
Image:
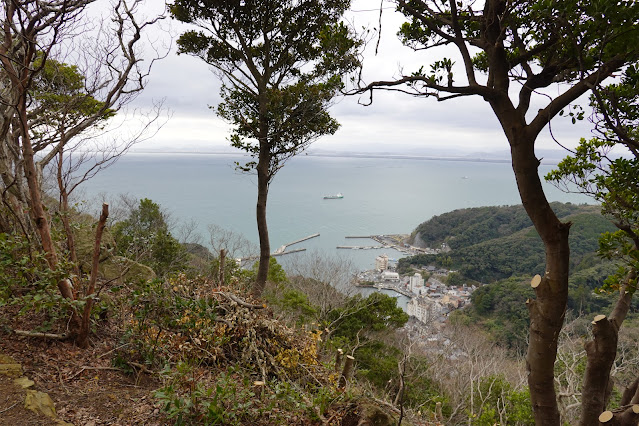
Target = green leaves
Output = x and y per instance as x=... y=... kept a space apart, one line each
x=377 y=312
x=543 y=41
x=281 y=64
x=575 y=112
x=607 y=168
x=27 y=281
x=295 y=116
x=61 y=99
x=144 y=236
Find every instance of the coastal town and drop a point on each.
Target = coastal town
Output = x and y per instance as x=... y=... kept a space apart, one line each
x=430 y=298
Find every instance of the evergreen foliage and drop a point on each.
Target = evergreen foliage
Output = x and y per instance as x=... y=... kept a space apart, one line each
x=493 y=243
x=145 y=237
x=281 y=64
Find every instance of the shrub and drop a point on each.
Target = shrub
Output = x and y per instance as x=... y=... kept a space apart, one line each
x=144 y=236
x=27 y=281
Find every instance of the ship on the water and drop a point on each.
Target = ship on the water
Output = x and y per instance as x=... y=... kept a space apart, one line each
x=334 y=197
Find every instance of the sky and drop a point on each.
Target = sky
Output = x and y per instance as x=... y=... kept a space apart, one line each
x=395 y=122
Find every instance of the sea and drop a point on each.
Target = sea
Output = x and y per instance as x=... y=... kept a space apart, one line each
x=380 y=195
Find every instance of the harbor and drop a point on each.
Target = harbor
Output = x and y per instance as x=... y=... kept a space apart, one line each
x=392 y=242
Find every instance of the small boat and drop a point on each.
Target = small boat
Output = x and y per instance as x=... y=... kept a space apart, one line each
x=334 y=197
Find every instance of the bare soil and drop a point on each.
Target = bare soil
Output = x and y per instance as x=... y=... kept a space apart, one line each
x=86 y=389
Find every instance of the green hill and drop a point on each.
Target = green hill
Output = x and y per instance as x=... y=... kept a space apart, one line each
x=464 y=227
x=499 y=246
x=493 y=243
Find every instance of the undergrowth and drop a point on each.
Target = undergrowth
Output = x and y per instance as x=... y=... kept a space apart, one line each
x=225 y=363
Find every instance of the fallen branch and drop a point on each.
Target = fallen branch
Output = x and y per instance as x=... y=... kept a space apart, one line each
x=234 y=298
x=114 y=349
x=387 y=404
x=142 y=367
x=54 y=336
x=131 y=363
x=7 y=409
x=87 y=367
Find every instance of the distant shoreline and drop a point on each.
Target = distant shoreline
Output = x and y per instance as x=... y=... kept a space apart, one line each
x=546 y=161
x=387 y=156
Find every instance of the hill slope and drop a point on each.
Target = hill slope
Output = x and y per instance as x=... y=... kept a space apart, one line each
x=493 y=243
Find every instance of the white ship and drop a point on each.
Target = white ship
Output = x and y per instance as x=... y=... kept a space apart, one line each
x=334 y=197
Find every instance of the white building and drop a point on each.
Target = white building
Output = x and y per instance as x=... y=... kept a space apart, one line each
x=390 y=276
x=423 y=309
x=416 y=282
x=381 y=262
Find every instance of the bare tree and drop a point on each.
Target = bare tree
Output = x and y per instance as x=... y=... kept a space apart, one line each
x=326 y=280
x=33 y=30
x=235 y=244
x=464 y=356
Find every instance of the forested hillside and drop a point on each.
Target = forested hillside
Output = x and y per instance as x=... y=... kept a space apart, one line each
x=492 y=243
x=498 y=246
x=120 y=317
x=465 y=227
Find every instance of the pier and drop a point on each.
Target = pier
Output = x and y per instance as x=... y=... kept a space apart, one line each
x=288 y=252
x=302 y=239
x=395 y=289
x=359 y=236
x=360 y=247
x=282 y=250
x=382 y=286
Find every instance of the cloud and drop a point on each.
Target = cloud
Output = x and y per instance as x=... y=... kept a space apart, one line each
x=394 y=121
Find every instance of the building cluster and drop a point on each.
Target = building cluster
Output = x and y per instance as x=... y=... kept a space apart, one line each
x=430 y=300
x=433 y=300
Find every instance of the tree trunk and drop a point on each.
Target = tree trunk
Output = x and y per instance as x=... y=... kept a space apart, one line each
x=37 y=206
x=346 y=372
x=64 y=210
x=601 y=352
x=222 y=268
x=547 y=311
x=624 y=416
x=263 y=178
x=83 y=335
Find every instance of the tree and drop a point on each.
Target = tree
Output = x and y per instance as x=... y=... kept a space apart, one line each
x=145 y=237
x=326 y=280
x=30 y=30
x=568 y=46
x=611 y=178
x=281 y=64
x=45 y=103
x=465 y=359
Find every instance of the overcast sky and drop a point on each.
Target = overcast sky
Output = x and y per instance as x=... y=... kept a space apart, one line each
x=395 y=122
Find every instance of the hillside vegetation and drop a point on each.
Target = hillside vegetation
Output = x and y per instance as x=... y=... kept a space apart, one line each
x=492 y=243
x=498 y=246
x=177 y=322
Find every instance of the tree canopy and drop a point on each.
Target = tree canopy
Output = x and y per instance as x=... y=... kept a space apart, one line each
x=607 y=168
x=281 y=63
x=529 y=60
x=144 y=236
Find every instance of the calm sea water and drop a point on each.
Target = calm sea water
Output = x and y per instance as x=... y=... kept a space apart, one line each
x=381 y=196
